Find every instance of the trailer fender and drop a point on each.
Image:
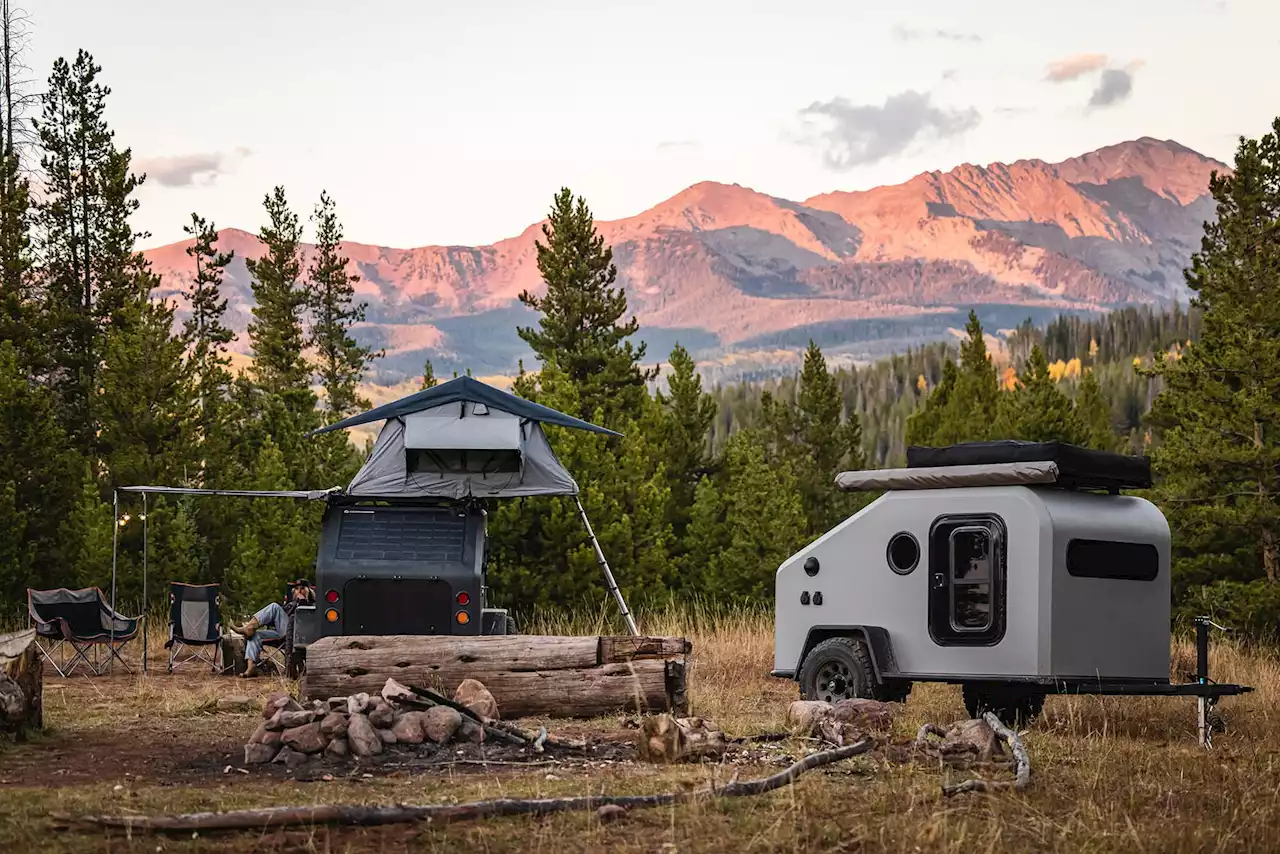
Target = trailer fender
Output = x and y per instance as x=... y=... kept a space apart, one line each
x=876 y=638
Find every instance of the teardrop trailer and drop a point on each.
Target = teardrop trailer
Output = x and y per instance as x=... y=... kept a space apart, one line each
x=1014 y=569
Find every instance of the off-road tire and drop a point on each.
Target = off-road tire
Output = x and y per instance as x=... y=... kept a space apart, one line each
x=1014 y=705
x=838 y=669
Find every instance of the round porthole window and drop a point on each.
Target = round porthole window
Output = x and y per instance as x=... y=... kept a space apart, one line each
x=904 y=553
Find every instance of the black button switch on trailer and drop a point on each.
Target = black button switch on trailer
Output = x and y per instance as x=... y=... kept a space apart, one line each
x=804 y=598
x=817 y=598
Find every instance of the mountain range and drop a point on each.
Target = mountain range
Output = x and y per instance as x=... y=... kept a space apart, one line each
x=745 y=279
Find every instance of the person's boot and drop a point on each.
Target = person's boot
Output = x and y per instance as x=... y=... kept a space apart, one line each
x=250 y=669
x=248 y=628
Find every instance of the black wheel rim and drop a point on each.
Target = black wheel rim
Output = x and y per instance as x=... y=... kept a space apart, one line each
x=835 y=682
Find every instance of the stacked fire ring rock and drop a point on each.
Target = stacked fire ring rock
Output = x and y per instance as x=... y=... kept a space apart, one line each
x=362 y=726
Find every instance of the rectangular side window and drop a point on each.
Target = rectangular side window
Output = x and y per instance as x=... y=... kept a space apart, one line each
x=1111 y=559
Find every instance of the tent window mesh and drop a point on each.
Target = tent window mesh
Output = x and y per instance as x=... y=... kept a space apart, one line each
x=473 y=461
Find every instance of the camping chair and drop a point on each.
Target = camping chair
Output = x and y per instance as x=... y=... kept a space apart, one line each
x=195 y=624
x=84 y=621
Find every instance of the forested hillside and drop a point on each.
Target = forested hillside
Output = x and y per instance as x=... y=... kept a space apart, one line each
x=705 y=492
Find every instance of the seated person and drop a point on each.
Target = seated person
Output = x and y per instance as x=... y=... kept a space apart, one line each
x=272 y=623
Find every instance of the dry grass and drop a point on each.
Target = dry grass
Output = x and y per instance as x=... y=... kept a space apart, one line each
x=1110 y=774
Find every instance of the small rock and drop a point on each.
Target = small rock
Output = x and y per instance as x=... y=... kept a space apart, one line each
x=870 y=714
x=362 y=737
x=803 y=716
x=470 y=731
x=381 y=714
x=472 y=694
x=334 y=725
x=305 y=739
x=259 y=754
x=262 y=735
x=387 y=736
x=278 y=701
x=409 y=728
x=610 y=812
x=234 y=703
x=338 y=704
x=357 y=704
x=289 y=758
x=439 y=723
x=289 y=720
x=337 y=749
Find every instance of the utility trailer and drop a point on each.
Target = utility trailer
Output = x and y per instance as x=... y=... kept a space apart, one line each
x=1013 y=569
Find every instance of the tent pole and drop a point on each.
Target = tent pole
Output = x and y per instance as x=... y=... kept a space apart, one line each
x=608 y=573
x=115 y=537
x=145 y=619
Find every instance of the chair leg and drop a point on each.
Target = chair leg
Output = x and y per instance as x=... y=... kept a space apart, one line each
x=113 y=654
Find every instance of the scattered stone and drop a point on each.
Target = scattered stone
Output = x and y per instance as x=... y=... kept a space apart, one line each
x=388 y=737
x=472 y=694
x=278 y=701
x=803 y=716
x=362 y=737
x=306 y=738
x=440 y=723
x=259 y=754
x=289 y=720
x=290 y=758
x=334 y=725
x=234 y=703
x=610 y=812
x=381 y=714
x=262 y=735
x=393 y=691
x=410 y=728
x=337 y=749
x=358 y=704
x=338 y=704
x=470 y=731
x=869 y=714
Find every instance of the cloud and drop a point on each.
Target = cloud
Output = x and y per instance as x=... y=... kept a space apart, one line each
x=1062 y=70
x=909 y=34
x=183 y=170
x=857 y=134
x=1115 y=85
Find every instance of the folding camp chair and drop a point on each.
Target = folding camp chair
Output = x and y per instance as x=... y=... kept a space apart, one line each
x=195 y=624
x=84 y=621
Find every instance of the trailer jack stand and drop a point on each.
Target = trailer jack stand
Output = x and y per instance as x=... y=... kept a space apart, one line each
x=1207 y=721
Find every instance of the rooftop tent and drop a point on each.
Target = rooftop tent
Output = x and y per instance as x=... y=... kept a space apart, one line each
x=463 y=439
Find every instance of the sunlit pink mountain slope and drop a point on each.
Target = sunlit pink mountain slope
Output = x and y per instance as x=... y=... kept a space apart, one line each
x=729 y=271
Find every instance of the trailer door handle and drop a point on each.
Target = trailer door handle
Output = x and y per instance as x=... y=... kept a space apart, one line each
x=939 y=581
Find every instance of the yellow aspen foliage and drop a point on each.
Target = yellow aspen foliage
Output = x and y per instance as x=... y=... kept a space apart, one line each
x=1009 y=379
x=922 y=385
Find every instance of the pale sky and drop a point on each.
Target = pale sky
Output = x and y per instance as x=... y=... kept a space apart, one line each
x=444 y=123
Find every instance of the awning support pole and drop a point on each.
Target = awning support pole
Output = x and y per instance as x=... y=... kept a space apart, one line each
x=608 y=573
x=115 y=537
x=145 y=615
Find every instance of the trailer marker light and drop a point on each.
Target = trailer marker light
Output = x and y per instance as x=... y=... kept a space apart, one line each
x=331 y=615
x=462 y=617
x=331 y=596
x=464 y=597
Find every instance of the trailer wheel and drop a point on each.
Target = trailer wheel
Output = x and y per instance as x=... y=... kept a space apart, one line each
x=837 y=669
x=1014 y=705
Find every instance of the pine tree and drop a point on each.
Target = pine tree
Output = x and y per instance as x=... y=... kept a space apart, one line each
x=973 y=406
x=744 y=524
x=429 y=376
x=86 y=535
x=924 y=425
x=580 y=328
x=276 y=334
x=1219 y=448
x=147 y=402
x=19 y=319
x=89 y=267
x=1037 y=410
x=331 y=298
x=816 y=441
x=205 y=336
x=1094 y=414
x=689 y=413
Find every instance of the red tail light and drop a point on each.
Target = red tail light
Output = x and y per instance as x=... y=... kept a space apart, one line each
x=331 y=596
x=464 y=598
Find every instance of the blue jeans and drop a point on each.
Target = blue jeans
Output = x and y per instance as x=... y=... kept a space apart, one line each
x=274 y=616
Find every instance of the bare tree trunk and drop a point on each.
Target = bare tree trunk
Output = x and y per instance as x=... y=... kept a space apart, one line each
x=1264 y=506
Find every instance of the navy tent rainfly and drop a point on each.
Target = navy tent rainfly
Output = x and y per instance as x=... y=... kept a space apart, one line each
x=458 y=441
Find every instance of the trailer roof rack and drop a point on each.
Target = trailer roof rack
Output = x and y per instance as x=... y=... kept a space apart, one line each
x=1007 y=463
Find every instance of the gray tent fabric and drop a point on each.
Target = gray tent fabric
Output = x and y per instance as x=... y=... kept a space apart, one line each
x=468 y=390
x=948 y=477
x=396 y=469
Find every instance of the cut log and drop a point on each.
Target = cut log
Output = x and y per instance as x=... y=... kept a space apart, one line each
x=626 y=648
x=21 y=684
x=527 y=674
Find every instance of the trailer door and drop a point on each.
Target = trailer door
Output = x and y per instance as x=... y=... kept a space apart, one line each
x=967 y=580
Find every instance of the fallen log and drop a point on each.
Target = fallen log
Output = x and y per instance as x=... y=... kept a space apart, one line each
x=527 y=674
x=21 y=684
x=369 y=816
